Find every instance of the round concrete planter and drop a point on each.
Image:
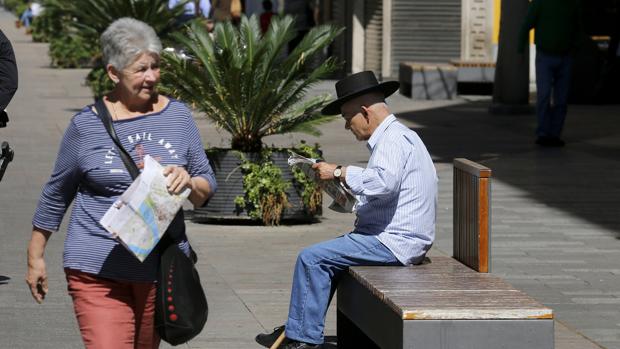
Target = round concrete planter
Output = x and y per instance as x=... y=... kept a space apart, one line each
x=221 y=207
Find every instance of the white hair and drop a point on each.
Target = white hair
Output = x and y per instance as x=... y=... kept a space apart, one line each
x=126 y=39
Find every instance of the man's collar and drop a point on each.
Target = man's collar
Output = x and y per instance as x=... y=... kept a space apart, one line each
x=374 y=138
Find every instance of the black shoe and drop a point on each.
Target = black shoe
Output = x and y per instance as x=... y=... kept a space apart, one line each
x=546 y=141
x=543 y=141
x=267 y=339
x=300 y=345
x=557 y=142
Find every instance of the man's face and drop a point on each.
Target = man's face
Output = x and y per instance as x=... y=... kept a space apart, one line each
x=356 y=120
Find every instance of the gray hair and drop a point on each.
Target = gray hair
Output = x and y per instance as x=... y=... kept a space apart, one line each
x=125 y=39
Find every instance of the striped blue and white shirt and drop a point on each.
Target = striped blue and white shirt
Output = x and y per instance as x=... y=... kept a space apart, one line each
x=397 y=192
x=89 y=170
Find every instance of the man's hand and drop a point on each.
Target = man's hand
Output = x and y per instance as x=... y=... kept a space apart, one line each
x=36 y=278
x=324 y=170
x=177 y=179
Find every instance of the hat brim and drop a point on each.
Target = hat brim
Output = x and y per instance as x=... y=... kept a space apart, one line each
x=388 y=88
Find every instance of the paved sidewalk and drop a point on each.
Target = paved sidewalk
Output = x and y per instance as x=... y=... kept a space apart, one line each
x=556 y=229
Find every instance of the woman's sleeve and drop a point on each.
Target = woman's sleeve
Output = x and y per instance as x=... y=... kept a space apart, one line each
x=197 y=162
x=59 y=191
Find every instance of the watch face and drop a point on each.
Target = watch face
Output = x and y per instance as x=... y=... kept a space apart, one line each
x=337 y=172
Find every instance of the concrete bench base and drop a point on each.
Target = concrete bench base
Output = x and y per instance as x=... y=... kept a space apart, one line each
x=427 y=81
x=377 y=314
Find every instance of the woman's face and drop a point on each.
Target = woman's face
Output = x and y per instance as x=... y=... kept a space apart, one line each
x=139 y=79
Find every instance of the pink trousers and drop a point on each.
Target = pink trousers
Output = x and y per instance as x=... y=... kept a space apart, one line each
x=113 y=314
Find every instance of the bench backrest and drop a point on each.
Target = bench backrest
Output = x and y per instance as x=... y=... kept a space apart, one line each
x=472 y=215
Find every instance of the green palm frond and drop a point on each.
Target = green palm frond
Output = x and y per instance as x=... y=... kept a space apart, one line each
x=246 y=83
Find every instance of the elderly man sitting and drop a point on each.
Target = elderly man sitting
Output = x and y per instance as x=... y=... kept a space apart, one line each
x=395 y=224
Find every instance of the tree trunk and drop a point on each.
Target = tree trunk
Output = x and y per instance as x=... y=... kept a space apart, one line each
x=511 y=87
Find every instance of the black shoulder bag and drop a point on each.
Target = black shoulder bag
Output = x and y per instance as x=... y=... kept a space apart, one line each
x=181 y=305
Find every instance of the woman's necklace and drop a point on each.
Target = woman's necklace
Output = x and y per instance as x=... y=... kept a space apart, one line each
x=114 y=116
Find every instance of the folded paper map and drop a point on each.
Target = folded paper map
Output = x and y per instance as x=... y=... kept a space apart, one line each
x=344 y=200
x=139 y=218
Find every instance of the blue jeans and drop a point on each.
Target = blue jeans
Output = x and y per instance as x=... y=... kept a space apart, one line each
x=552 y=73
x=26 y=17
x=316 y=276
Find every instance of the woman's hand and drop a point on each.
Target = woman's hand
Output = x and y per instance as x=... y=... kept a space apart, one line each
x=177 y=179
x=36 y=278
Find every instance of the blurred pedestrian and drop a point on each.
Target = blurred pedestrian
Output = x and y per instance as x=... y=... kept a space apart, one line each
x=227 y=10
x=193 y=9
x=255 y=7
x=265 y=17
x=305 y=13
x=113 y=292
x=26 y=17
x=558 y=26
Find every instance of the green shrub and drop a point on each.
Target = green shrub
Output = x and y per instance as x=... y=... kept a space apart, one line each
x=51 y=23
x=73 y=29
x=19 y=9
x=12 y=5
x=72 y=51
x=265 y=190
x=310 y=191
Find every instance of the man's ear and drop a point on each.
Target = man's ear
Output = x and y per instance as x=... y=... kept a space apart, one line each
x=365 y=113
x=113 y=74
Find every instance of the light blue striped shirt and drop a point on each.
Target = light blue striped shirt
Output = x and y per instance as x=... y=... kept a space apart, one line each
x=89 y=170
x=397 y=192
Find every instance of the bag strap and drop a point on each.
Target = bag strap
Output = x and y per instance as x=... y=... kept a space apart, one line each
x=104 y=115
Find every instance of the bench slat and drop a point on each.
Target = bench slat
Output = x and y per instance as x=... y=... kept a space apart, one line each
x=488 y=305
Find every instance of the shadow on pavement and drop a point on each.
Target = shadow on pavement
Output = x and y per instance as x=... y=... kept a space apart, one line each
x=582 y=179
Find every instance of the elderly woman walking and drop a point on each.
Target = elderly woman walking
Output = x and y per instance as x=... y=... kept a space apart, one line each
x=113 y=292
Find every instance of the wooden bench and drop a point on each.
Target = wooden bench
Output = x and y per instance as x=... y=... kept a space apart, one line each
x=445 y=303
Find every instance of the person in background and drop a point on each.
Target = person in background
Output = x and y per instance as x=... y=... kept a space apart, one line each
x=265 y=17
x=395 y=212
x=113 y=292
x=558 y=26
x=193 y=9
x=255 y=7
x=26 y=16
x=36 y=9
x=227 y=10
x=305 y=13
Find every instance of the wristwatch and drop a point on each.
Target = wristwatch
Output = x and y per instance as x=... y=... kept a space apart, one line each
x=338 y=172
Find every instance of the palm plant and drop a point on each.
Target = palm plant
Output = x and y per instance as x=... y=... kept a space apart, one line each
x=245 y=82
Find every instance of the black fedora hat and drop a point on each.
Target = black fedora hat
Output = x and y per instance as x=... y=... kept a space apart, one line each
x=356 y=85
